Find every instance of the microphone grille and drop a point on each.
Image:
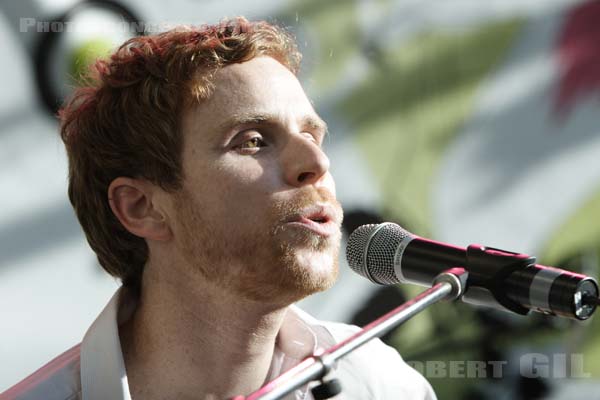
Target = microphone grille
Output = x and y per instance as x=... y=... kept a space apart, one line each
x=356 y=249
x=371 y=250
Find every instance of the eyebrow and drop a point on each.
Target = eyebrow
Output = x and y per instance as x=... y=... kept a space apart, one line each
x=312 y=122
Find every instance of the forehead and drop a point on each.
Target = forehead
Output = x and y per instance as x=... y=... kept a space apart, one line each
x=252 y=81
x=261 y=86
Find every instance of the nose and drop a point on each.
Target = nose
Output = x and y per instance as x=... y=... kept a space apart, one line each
x=304 y=161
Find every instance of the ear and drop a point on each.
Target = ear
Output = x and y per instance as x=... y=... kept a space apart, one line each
x=135 y=203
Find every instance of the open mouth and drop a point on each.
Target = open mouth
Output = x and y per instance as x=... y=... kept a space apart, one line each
x=317 y=215
x=320 y=219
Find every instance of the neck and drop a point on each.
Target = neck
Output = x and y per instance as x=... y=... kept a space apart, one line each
x=187 y=339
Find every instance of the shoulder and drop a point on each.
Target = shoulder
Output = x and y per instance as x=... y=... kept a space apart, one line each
x=57 y=380
x=376 y=370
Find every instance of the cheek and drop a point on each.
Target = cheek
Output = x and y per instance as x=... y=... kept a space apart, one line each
x=329 y=183
x=238 y=187
x=244 y=190
x=251 y=176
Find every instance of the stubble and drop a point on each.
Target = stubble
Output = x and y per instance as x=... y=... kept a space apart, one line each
x=261 y=264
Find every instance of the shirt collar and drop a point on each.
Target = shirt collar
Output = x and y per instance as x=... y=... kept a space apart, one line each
x=103 y=374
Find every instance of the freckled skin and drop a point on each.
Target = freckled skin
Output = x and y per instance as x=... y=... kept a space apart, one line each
x=231 y=211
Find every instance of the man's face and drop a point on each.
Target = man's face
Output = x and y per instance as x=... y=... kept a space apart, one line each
x=257 y=214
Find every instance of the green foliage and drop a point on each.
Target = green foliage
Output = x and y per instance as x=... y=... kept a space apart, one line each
x=414 y=101
x=578 y=234
x=338 y=36
x=86 y=54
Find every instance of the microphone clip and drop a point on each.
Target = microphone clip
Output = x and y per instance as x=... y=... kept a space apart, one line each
x=488 y=269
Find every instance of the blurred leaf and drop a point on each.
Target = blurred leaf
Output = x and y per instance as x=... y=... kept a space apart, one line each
x=414 y=102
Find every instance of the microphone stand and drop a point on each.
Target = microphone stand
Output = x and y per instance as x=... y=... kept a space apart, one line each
x=449 y=285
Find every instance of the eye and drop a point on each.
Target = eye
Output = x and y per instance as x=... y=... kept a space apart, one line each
x=251 y=145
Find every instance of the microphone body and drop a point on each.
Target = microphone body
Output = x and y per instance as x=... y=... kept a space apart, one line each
x=387 y=254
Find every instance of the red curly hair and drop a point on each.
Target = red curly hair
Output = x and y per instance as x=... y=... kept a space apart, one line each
x=125 y=121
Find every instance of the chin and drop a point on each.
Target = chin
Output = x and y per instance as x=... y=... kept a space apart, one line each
x=296 y=275
x=314 y=271
x=288 y=272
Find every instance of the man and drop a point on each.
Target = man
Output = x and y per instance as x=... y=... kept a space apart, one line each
x=197 y=172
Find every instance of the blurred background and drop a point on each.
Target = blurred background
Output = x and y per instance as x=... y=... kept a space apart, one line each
x=463 y=121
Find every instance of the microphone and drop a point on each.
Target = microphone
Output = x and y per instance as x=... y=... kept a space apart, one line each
x=387 y=254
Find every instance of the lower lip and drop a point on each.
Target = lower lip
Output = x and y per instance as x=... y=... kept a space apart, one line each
x=328 y=228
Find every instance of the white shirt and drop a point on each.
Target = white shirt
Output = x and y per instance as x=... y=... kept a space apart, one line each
x=95 y=370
